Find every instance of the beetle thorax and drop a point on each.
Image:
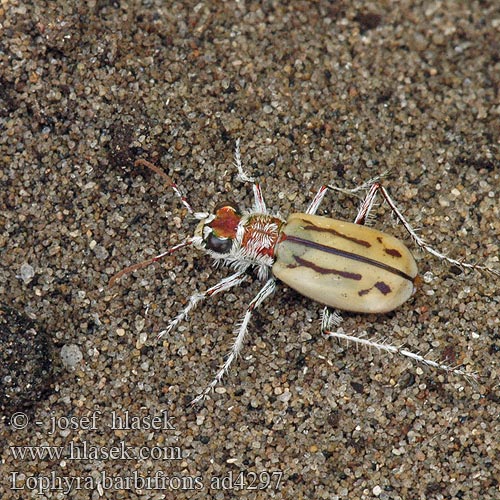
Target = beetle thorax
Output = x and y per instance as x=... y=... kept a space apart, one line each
x=260 y=233
x=256 y=237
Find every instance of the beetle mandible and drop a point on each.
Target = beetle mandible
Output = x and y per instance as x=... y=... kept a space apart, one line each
x=343 y=265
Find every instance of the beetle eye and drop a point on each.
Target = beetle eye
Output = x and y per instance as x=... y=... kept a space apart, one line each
x=218 y=245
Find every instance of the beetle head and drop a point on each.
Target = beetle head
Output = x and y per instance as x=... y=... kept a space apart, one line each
x=218 y=230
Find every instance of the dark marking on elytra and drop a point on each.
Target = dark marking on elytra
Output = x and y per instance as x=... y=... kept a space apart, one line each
x=347 y=255
x=311 y=227
x=382 y=287
x=393 y=252
x=324 y=270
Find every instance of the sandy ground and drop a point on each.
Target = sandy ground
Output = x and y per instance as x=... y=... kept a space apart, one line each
x=317 y=92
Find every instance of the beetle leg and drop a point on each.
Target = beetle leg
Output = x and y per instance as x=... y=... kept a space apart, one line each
x=420 y=242
x=364 y=209
x=242 y=175
x=222 y=286
x=329 y=320
x=264 y=292
x=314 y=205
x=259 y=205
x=367 y=205
x=362 y=187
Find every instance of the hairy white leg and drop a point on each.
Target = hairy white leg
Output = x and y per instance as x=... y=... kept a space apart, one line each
x=242 y=175
x=421 y=242
x=362 y=187
x=367 y=204
x=315 y=203
x=364 y=209
x=222 y=286
x=328 y=320
x=259 y=205
x=264 y=292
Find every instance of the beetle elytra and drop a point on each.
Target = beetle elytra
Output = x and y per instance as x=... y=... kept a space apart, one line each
x=342 y=265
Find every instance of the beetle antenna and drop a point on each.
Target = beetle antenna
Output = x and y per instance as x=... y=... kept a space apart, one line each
x=170 y=182
x=145 y=263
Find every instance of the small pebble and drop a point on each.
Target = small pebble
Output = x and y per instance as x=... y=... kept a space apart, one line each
x=71 y=355
x=26 y=272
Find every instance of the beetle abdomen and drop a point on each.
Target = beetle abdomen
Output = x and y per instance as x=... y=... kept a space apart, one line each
x=344 y=265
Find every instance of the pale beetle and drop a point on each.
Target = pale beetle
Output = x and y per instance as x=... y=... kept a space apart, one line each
x=343 y=265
